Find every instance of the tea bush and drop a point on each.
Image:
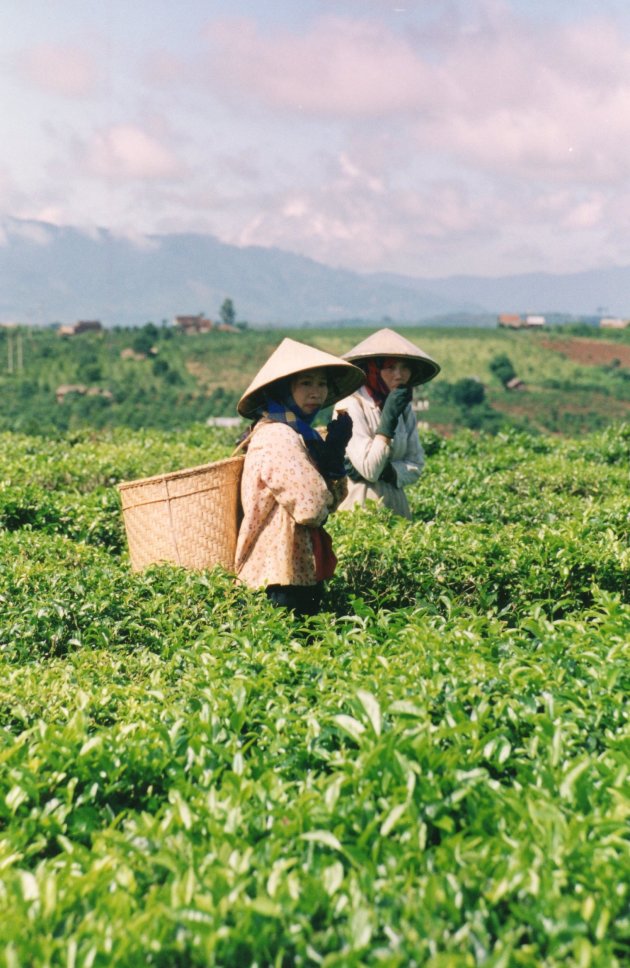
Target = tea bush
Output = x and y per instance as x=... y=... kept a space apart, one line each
x=432 y=772
x=174 y=380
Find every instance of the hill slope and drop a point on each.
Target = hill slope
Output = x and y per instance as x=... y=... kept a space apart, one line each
x=48 y=273
x=52 y=273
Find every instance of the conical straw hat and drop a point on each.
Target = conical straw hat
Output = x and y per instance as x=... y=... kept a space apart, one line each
x=385 y=342
x=290 y=358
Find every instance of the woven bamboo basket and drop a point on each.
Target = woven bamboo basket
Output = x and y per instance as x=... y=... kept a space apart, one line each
x=187 y=517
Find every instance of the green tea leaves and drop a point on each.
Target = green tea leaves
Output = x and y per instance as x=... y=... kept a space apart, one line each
x=323 y=837
x=429 y=773
x=372 y=710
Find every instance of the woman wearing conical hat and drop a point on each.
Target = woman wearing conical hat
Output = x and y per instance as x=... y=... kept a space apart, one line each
x=384 y=454
x=292 y=478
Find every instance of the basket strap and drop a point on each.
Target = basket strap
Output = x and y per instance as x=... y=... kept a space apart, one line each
x=240 y=445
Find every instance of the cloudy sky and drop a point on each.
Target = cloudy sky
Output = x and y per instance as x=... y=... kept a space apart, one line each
x=427 y=137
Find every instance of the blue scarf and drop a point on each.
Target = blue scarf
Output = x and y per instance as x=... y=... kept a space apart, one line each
x=288 y=412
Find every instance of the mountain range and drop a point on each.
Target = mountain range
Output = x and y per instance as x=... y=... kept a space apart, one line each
x=52 y=273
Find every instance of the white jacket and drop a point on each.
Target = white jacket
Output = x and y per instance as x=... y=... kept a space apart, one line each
x=369 y=454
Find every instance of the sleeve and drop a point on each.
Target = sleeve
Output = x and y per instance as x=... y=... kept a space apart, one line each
x=409 y=467
x=294 y=481
x=367 y=452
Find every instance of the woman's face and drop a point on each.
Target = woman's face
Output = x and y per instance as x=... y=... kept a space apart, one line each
x=309 y=390
x=395 y=373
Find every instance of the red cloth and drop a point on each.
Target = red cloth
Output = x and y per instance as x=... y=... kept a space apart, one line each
x=325 y=558
x=375 y=385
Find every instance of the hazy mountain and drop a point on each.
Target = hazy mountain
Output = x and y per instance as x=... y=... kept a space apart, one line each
x=596 y=291
x=50 y=273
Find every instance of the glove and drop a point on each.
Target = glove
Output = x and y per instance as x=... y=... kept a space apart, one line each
x=388 y=474
x=339 y=432
x=353 y=473
x=394 y=405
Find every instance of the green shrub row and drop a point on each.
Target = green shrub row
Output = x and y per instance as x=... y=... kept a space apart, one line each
x=397 y=787
x=432 y=772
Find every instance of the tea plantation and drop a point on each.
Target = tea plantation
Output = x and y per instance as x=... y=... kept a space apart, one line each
x=155 y=377
x=433 y=772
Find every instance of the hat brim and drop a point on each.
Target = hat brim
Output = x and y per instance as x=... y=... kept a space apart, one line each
x=422 y=370
x=292 y=358
x=387 y=342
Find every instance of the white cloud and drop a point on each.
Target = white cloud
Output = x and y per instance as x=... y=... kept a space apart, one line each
x=451 y=135
x=340 y=69
x=7 y=189
x=125 y=151
x=538 y=100
x=52 y=214
x=31 y=232
x=353 y=218
x=358 y=176
x=585 y=214
x=164 y=69
x=63 y=69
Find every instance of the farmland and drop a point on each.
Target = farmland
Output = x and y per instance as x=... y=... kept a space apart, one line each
x=433 y=772
x=571 y=383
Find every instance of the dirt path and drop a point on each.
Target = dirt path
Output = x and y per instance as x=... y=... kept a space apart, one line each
x=591 y=352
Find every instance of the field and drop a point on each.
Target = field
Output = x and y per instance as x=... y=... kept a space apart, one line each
x=433 y=772
x=571 y=383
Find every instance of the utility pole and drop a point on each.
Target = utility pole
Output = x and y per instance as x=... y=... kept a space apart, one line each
x=9 y=353
x=20 y=353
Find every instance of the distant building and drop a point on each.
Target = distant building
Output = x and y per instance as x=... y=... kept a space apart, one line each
x=88 y=326
x=224 y=421
x=130 y=354
x=533 y=321
x=62 y=391
x=613 y=322
x=193 y=324
x=510 y=320
x=83 y=326
x=99 y=392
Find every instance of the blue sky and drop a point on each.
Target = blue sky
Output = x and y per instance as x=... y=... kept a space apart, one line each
x=426 y=137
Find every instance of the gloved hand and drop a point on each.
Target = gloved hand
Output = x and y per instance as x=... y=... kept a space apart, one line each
x=353 y=473
x=339 y=432
x=388 y=474
x=394 y=405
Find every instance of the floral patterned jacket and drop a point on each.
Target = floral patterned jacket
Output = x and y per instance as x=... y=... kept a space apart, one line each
x=283 y=497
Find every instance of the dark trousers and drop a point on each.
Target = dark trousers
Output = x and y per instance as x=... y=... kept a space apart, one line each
x=302 y=599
